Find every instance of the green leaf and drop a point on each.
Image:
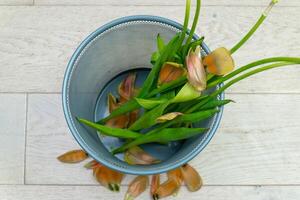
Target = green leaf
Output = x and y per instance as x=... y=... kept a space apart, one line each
x=215 y=103
x=124 y=108
x=152 y=76
x=150 y=103
x=168 y=86
x=160 y=43
x=149 y=118
x=154 y=57
x=186 y=93
x=109 y=131
x=165 y=135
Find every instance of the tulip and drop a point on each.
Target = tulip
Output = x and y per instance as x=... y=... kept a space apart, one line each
x=74 y=156
x=137 y=156
x=107 y=177
x=92 y=164
x=219 y=62
x=136 y=187
x=169 y=187
x=154 y=184
x=191 y=178
x=196 y=71
x=126 y=88
x=170 y=71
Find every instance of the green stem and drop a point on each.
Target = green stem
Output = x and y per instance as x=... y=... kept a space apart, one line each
x=251 y=65
x=195 y=22
x=237 y=79
x=186 y=20
x=254 y=28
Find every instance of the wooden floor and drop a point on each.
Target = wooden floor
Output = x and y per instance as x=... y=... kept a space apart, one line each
x=255 y=153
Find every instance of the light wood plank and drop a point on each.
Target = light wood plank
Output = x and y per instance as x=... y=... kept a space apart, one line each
x=166 y=3
x=257 y=143
x=34 y=55
x=16 y=2
x=99 y=193
x=12 y=138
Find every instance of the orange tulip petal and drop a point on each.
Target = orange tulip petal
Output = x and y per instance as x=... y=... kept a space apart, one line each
x=219 y=62
x=74 y=156
x=154 y=183
x=170 y=71
x=137 y=156
x=126 y=88
x=110 y=179
x=168 y=188
x=136 y=187
x=191 y=178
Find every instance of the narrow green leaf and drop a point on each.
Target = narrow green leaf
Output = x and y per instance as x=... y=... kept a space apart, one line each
x=152 y=76
x=165 y=135
x=150 y=103
x=109 y=131
x=160 y=43
x=186 y=93
x=215 y=103
x=149 y=118
x=124 y=108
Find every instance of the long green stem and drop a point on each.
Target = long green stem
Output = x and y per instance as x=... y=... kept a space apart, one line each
x=254 y=28
x=251 y=65
x=237 y=79
x=195 y=22
x=186 y=20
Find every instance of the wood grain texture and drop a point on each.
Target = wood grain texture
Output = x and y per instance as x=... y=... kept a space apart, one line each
x=16 y=2
x=99 y=193
x=166 y=2
x=257 y=143
x=37 y=42
x=12 y=138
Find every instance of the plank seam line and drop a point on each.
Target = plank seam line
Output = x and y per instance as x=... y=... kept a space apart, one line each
x=146 y=5
x=96 y=185
x=25 y=147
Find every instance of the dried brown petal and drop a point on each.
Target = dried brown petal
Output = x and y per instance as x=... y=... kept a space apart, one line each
x=109 y=178
x=126 y=88
x=219 y=62
x=168 y=188
x=118 y=122
x=133 y=117
x=136 y=187
x=74 y=156
x=170 y=71
x=191 y=178
x=112 y=103
x=137 y=156
x=168 y=117
x=154 y=183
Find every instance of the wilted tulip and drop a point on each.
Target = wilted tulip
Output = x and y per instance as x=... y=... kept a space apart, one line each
x=137 y=156
x=109 y=178
x=196 y=71
x=170 y=71
x=191 y=178
x=136 y=187
x=154 y=183
x=74 y=156
x=219 y=62
x=126 y=88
